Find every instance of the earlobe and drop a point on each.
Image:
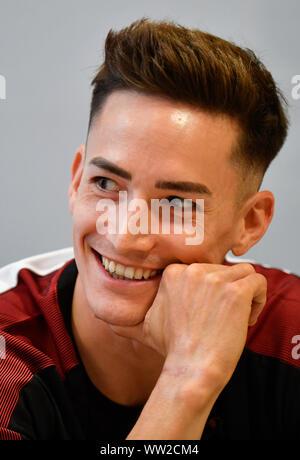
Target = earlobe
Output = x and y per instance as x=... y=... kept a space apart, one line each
x=254 y=221
x=76 y=174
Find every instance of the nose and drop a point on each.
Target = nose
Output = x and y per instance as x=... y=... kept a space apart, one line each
x=133 y=233
x=136 y=245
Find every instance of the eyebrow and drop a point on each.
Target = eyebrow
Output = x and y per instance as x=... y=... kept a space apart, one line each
x=181 y=186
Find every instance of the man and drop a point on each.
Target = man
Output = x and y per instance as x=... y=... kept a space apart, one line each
x=195 y=347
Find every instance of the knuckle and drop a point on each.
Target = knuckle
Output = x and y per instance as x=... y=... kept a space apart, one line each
x=262 y=279
x=172 y=270
x=195 y=270
x=233 y=291
x=245 y=266
x=213 y=278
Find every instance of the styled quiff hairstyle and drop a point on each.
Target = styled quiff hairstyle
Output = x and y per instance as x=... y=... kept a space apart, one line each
x=202 y=70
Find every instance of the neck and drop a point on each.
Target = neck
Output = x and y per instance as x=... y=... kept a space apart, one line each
x=124 y=370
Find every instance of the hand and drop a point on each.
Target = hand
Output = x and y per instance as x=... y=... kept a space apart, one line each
x=200 y=316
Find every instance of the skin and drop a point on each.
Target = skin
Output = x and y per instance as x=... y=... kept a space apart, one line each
x=147 y=343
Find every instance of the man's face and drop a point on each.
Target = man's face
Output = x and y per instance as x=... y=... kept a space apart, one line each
x=153 y=140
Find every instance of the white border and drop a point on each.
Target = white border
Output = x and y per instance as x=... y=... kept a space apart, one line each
x=41 y=264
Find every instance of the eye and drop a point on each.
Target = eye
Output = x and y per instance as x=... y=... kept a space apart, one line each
x=104 y=183
x=176 y=200
x=179 y=202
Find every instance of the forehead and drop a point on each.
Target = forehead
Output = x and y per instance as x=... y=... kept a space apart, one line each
x=146 y=132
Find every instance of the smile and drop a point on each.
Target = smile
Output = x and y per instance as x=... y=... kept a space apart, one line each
x=122 y=272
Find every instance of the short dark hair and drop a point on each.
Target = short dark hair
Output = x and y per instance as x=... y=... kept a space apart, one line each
x=202 y=70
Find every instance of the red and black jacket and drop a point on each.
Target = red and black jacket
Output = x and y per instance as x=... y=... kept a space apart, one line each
x=46 y=394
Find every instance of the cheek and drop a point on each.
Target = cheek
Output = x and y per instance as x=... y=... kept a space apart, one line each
x=219 y=236
x=84 y=218
x=217 y=241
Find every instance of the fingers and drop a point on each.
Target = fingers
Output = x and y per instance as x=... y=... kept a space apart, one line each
x=222 y=273
x=243 y=284
x=236 y=272
x=255 y=285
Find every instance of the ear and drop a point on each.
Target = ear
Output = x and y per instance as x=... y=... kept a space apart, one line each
x=254 y=219
x=76 y=174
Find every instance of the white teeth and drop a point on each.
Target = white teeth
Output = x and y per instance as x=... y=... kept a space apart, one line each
x=146 y=274
x=129 y=272
x=138 y=273
x=106 y=263
x=119 y=271
x=112 y=266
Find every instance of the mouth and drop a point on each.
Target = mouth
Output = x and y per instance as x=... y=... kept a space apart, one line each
x=123 y=274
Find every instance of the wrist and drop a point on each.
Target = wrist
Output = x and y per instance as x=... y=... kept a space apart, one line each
x=194 y=386
x=177 y=408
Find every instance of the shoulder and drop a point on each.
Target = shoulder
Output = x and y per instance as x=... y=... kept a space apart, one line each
x=277 y=331
x=40 y=265
x=32 y=332
x=25 y=284
x=30 y=314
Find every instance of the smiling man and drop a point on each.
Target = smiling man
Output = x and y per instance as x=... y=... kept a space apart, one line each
x=140 y=335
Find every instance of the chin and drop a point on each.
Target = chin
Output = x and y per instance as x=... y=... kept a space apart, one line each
x=121 y=315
